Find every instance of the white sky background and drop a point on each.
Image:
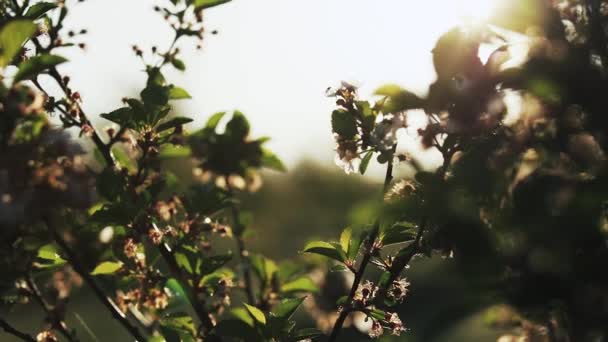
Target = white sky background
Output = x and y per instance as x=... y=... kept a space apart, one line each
x=272 y=59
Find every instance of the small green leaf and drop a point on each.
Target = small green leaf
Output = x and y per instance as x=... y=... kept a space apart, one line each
x=398 y=233
x=214 y=120
x=177 y=93
x=365 y=162
x=12 y=37
x=398 y=99
x=172 y=123
x=174 y=151
x=287 y=307
x=325 y=249
x=238 y=127
x=256 y=313
x=271 y=161
x=49 y=252
x=303 y=284
x=107 y=267
x=183 y=262
x=202 y=4
x=390 y=89
x=263 y=267
x=178 y=64
x=345 y=239
x=39 y=9
x=122 y=116
x=343 y=124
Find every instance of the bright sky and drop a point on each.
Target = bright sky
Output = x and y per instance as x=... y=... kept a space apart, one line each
x=273 y=59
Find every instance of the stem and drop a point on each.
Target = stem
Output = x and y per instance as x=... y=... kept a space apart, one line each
x=9 y=329
x=243 y=253
x=399 y=264
x=82 y=271
x=366 y=257
x=191 y=290
x=56 y=322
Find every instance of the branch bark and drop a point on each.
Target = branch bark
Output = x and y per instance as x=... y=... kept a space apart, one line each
x=9 y=329
x=99 y=293
x=366 y=257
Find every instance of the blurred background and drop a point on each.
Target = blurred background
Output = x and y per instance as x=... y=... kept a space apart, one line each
x=273 y=60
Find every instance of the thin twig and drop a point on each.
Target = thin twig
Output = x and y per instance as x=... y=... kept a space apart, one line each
x=13 y=331
x=243 y=253
x=82 y=271
x=55 y=320
x=366 y=257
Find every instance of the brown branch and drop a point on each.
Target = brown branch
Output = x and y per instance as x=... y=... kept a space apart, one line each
x=51 y=313
x=74 y=260
x=243 y=253
x=9 y=329
x=366 y=256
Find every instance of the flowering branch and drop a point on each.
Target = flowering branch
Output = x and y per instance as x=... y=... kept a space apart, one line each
x=366 y=257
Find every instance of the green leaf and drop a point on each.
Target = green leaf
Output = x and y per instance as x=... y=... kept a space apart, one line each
x=178 y=294
x=238 y=126
x=12 y=37
x=181 y=323
x=303 y=284
x=263 y=267
x=398 y=233
x=177 y=93
x=343 y=123
x=183 y=262
x=214 y=120
x=325 y=249
x=155 y=95
x=48 y=252
x=345 y=239
x=202 y=4
x=243 y=315
x=178 y=64
x=110 y=184
x=39 y=9
x=172 y=123
x=390 y=89
x=122 y=116
x=36 y=65
x=271 y=161
x=174 y=151
x=356 y=238
x=398 y=99
x=287 y=307
x=107 y=267
x=256 y=313
x=365 y=162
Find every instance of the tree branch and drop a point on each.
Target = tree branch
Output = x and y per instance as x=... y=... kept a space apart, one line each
x=9 y=329
x=52 y=316
x=243 y=253
x=366 y=256
x=82 y=271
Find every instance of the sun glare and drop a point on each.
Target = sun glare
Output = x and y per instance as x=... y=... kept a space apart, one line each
x=476 y=10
